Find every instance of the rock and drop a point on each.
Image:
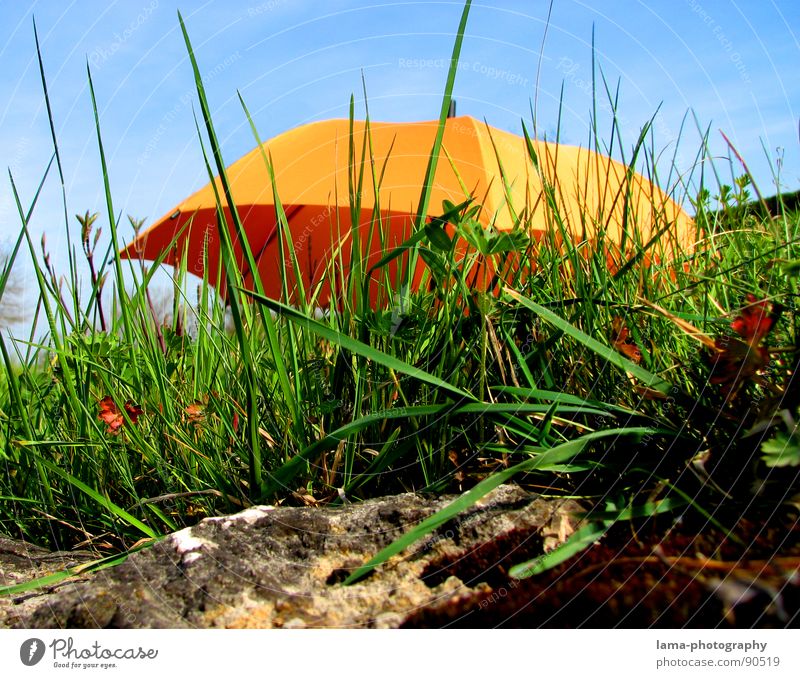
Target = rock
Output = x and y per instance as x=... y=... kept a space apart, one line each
x=283 y=567
x=20 y=563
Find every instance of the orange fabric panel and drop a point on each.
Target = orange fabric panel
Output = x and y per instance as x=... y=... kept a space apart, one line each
x=592 y=194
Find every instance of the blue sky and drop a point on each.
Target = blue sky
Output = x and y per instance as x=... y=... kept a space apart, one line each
x=733 y=65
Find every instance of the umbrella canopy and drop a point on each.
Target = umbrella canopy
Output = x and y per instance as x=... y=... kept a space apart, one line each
x=590 y=193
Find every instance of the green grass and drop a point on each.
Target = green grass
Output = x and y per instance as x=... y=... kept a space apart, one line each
x=455 y=391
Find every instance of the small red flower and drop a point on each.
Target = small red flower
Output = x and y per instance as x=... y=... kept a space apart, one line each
x=110 y=415
x=113 y=418
x=754 y=321
x=621 y=341
x=733 y=361
x=133 y=411
x=195 y=413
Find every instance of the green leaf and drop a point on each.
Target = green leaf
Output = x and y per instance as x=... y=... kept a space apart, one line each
x=782 y=450
x=56 y=577
x=451 y=213
x=438 y=238
x=427 y=184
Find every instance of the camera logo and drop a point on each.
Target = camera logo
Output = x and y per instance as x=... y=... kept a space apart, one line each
x=31 y=651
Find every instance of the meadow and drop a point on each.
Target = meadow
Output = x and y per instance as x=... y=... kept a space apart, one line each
x=649 y=383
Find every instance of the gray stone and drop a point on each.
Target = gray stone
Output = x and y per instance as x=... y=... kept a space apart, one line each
x=282 y=567
x=20 y=563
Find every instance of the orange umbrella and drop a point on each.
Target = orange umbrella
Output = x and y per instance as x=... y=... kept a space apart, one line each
x=591 y=193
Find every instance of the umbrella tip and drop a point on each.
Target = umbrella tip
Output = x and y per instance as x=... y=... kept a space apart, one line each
x=451 y=113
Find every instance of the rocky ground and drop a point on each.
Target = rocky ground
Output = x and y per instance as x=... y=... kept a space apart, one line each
x=283 y=567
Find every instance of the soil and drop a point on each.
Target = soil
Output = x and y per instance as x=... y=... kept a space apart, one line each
x=690 y=575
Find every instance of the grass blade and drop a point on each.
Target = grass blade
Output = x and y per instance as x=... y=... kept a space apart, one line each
x=606 y=352
x=280 y=478
x=554 y=456
x=590 y=533
x=105 y=502
x=356 y=346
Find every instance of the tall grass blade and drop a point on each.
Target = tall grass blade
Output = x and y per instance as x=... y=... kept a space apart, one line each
x=280 y=478
x=104 y=502
x=232 y=274
x=358 y=347
x=606 y=352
